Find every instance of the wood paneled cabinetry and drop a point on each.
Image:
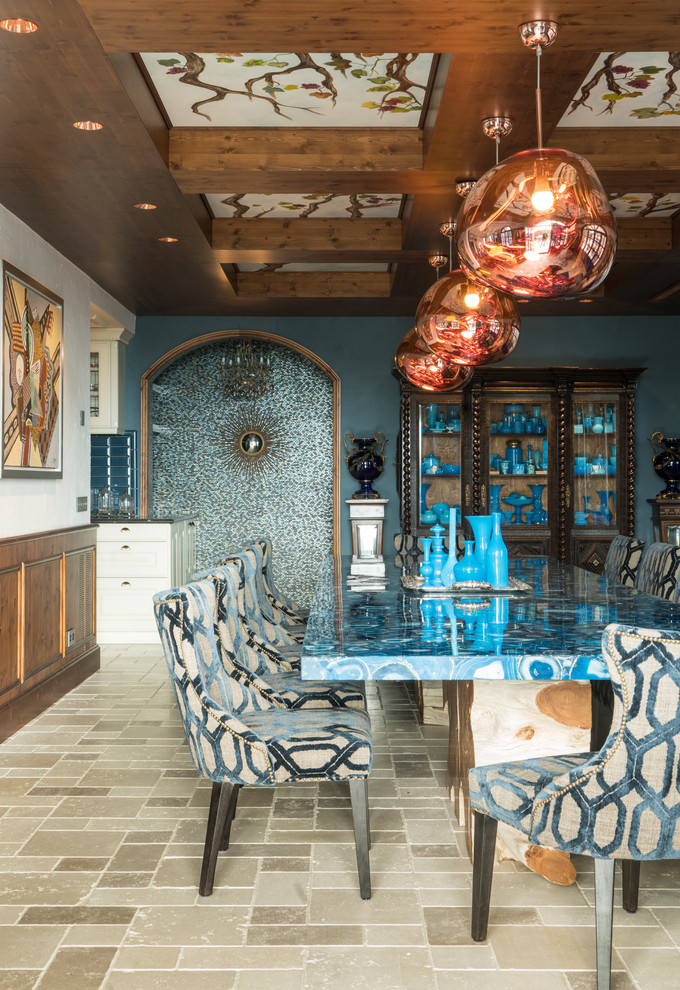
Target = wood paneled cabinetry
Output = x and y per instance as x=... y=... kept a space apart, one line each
x=107 y=379
x=47 y=621
x=552 y=449
x=135 y=559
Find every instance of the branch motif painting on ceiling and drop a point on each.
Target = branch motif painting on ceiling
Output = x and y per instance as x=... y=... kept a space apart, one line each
x=345 y=90
x=625 y=88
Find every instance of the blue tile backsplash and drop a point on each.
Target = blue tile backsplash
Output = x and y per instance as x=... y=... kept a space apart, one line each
x=113 y=462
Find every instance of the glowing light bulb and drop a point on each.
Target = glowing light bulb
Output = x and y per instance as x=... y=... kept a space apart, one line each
x=471 y=297
x=542 y=198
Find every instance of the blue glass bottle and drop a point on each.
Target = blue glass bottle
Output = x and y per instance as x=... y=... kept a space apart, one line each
x=481 y=527
x=497 y=555
x=468 y=569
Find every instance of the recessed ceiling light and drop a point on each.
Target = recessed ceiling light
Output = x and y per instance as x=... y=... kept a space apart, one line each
x=17 y=25
x=168 y=240
x=523 y=300
x=585 y=300
x=88 y=125
x=145 y=206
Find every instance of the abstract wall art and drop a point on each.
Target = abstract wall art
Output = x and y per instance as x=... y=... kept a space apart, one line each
x=32 y=377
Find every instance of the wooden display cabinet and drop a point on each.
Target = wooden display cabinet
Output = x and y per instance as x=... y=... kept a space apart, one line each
x=551 y=448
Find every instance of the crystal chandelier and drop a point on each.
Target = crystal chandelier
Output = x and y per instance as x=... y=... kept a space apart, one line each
x=246 y=375
x=539 y=224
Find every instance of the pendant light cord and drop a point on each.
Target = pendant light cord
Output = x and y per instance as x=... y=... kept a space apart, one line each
x=539 y=111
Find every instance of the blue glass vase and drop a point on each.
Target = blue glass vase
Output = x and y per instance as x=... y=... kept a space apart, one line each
x=468 y=569
x=481 y=527
x=497 y=556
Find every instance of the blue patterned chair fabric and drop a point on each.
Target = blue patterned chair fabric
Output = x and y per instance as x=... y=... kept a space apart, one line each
x=619 y=803
x=252 y=651
x=255 y=623
x=260 y=747
x=659 y=571
x=281 y=605
x=623 y=560
x=274 y=683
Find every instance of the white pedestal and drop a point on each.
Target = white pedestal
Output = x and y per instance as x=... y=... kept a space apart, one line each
x=367 y=517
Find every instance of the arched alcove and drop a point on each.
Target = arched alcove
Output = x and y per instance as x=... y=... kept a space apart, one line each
x=245 y=467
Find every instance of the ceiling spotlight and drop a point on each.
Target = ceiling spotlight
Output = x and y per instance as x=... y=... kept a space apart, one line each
x=464 y=186
x=87 y=125
x=145 y=206
x=17 y=25
x=169 y=240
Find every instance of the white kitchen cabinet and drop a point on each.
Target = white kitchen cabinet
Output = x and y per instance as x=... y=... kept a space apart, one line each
x=135 y=559
x=107 y=378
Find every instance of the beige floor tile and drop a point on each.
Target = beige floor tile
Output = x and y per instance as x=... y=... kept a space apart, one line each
x=95 y=935
x=328 y=907
x=197 y=925
x=489 y=980
x=369 y=969
x=256 y=957
x=216 y=980
x=275 y=889
x=653 y=969
x=28 y=946
x=256 y=980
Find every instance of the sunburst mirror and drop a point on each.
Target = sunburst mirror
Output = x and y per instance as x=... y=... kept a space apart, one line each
x=252 y=440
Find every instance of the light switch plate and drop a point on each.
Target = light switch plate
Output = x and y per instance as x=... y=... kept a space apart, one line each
x=81 y=503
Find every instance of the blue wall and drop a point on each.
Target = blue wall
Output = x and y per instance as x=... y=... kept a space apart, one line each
x=361 y=351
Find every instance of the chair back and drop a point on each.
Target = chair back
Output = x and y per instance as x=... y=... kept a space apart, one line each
x=623 y=802
x=659 y=571
x=222 y=747
x=282 y=605
x=623 y=560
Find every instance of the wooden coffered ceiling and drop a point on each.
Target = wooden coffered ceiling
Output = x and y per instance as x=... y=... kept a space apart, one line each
x=336 y=211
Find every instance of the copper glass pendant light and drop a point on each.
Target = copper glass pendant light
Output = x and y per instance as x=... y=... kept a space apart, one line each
x=538 y=224
x=465 y=321
x=427 y=370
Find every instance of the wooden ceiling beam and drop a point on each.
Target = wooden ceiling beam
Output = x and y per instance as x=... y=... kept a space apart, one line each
x=313 y=285
x=391 y=25
x=633 y=151
x=638 y=238
x=216 y=152
x=310 y=234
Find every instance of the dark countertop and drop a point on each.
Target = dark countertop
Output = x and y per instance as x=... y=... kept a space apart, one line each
x=155 y=519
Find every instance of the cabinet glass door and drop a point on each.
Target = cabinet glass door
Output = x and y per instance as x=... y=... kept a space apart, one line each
x=440 y=461
x=94 y=383
x=519 y=459
x=595 y=472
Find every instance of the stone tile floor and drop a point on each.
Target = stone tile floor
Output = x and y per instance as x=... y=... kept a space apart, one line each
x=101 y=832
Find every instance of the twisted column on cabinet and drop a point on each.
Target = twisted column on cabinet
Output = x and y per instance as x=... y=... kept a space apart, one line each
x=564 y=484
x=406 y=460
x=476 y=449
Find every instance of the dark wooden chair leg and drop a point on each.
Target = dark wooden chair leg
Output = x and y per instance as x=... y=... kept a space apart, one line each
x=224 y=843
x=482 y=873
x=630 y=869
x=220 y=799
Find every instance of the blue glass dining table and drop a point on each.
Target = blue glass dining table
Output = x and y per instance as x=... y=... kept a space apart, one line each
x=523 y=674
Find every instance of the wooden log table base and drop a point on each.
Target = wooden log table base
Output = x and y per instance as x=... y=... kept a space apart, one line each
x=497 y=721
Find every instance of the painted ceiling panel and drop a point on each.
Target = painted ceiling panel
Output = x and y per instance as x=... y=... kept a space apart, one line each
x=302 y=205
x=628 y=89
x=645 y=204
x=232 y=89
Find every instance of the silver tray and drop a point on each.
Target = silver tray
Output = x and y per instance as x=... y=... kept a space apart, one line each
x=463 y=589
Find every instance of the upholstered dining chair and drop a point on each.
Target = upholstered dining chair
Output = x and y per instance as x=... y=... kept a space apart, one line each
x=619 y=803
x=256 y=652
x=623 y=559
x=282 y=605
x=275 y=683
x=262 y=747
x=659 y=571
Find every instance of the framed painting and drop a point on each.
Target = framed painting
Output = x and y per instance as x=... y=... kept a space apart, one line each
x=32 y=378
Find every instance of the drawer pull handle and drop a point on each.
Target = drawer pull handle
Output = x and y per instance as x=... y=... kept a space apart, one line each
x=125 y=584
x=126 y=529
x=125 y=547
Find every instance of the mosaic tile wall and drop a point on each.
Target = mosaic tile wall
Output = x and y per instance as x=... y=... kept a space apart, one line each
x=194 y=430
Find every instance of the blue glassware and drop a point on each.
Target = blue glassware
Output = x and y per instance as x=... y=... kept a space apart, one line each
x=437 y=555
x=603 y=510
x=468 y=568
x=538 y=514
x=497 y=555
x=426 y=569
x=447 y=576
x=494 y=497
x=481 y=528
x=423 y=492
x=518 y=500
